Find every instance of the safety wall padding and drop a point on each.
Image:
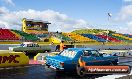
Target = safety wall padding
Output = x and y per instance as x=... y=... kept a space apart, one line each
x=11 y=59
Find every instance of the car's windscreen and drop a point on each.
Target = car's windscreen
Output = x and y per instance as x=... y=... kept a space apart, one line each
x=22 y=45
x=68 y=53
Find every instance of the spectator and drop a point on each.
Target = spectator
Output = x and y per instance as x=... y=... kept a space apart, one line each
x=62 y=46
x=57 y=48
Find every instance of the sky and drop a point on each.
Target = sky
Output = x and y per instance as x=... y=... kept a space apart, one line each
x=69 y=15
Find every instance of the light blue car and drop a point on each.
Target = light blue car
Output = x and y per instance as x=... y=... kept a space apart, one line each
x=67 y=60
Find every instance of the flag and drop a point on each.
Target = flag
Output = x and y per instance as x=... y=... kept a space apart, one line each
x=109 y=14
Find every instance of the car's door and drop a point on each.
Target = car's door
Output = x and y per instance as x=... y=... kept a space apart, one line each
x=97 y=58
x=92 y=57
x=36 y=47
x=87 y=58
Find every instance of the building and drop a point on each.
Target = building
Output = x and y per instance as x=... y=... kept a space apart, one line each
x=32 y=26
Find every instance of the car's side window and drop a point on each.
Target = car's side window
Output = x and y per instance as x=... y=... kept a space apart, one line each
x=29 y=45
x=86 y=53
x=37 y=45
x=34 y=45
x=94 y=53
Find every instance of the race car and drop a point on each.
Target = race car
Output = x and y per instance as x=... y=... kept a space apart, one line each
x=68 y=60
x=30 y=47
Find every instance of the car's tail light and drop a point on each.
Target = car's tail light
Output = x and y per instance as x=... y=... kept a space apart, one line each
x=62 y=64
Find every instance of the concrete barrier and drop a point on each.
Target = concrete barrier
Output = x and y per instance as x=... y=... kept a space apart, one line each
x=10 y=59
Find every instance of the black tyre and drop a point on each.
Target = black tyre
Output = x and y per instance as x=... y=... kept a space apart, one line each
x=47 y=65
x=115 y=63
x=111 y=64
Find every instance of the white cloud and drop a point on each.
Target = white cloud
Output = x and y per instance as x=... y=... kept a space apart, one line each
x=58 y=20
x=3 y=10
x=125 y=19
x=127 y=0
x=126 y=29
x=9 y=2
x=125 y=13
x=129 y=27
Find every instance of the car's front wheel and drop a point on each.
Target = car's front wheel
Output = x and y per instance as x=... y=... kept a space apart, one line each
x=47 y=65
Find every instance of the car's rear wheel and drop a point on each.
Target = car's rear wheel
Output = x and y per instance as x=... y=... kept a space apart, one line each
x=80 y=71
x=111 y=64
x=115 y=63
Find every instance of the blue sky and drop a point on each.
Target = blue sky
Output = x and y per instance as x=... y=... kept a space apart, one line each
x=67 y=15
x=86 y=9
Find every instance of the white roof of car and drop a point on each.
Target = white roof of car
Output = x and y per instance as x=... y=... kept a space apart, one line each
x=29 y=43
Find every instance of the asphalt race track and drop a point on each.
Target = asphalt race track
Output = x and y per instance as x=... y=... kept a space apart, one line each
x=38 y=72
x=42 y=72
x=35 y=71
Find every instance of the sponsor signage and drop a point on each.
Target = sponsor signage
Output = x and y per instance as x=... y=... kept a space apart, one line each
x=9 y=59
x=107 y=69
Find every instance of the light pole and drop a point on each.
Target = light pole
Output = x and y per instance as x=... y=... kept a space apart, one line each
x=109 y=16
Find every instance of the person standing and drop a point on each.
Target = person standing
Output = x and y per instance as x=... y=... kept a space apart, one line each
x=62 y=46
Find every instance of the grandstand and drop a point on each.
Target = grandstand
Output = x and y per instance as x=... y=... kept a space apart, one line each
x=42 y=35
x=91 y=36
x=25 y=36
x=130 y=36
x=109 y=38
x=6 y=34
x=122 y=36
x=78 y=37
x=17 y=35
x=63 y=37
x=55 y=40
x=37 y=31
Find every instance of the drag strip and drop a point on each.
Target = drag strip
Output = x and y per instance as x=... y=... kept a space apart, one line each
x=39 y=71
